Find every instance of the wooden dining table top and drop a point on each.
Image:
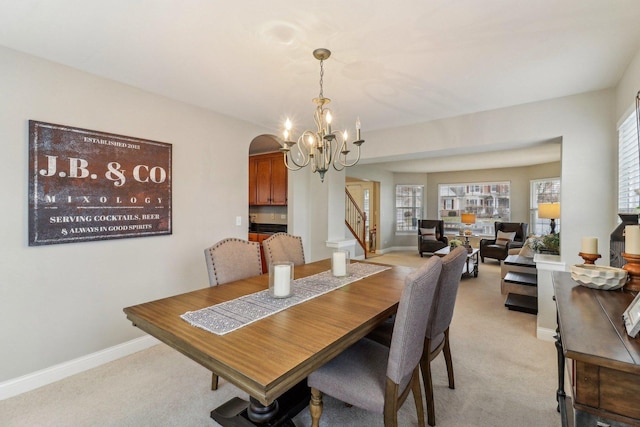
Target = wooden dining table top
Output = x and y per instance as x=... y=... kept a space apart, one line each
x=267 y=357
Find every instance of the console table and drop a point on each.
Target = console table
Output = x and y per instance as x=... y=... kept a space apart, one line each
x=603 y=362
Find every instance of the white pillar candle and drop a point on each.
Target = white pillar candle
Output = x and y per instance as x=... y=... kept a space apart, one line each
x=589 y=245
x=339 y=264
x=632 y=239
x=281 y=280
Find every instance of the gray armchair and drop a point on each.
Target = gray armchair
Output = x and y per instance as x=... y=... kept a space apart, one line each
x=494 y=248
x=431 y=242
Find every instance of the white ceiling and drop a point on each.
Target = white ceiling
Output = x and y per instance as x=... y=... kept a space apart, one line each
x=393 y=63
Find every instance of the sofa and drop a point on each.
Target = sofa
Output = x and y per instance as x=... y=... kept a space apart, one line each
x=431 y=236
x=508 y=235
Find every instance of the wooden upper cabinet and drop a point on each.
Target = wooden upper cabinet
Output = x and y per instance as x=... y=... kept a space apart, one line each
x=267 y=180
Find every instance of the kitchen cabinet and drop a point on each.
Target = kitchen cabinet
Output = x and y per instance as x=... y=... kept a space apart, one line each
x=267 y=180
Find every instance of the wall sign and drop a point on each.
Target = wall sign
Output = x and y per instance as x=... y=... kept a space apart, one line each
x=86 y=185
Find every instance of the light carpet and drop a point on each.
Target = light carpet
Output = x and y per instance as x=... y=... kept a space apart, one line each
x=504 y=377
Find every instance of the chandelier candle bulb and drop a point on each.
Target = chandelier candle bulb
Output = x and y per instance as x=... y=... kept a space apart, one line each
x=589 y=245
x=632 y=239
x=358 y=129
x=340 y=263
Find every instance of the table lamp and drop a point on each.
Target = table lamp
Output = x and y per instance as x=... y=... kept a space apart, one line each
x=468 y=219
x=549 y=211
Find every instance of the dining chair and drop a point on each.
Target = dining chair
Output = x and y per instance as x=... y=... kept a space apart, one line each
x=232 y=259
x=375 y=377
x=229 y=260
x=436 y=339
x=283 y=247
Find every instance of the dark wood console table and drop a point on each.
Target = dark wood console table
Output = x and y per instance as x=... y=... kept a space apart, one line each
x=603 y=362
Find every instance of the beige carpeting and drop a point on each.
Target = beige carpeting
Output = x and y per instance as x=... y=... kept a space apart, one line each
x=504 y=377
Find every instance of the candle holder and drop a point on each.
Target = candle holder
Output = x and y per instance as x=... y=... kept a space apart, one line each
x=633 y=270
x=280 y=278
x=340 y=263
x=589 y=258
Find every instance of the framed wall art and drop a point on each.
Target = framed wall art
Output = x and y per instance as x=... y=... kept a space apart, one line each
x=87 y=185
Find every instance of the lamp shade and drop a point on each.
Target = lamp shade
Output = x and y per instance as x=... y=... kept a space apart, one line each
x=549 y=210
x=468 y=218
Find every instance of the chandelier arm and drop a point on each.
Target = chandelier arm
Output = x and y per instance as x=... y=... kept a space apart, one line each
x=286 y=163
x=344 y=163
x=303 y=153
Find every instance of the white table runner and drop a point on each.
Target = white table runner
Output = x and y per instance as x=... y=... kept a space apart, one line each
x=228 y=316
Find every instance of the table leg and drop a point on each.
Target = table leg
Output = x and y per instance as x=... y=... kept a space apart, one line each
x=240 y=413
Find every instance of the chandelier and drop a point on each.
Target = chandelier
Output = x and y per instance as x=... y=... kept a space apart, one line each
x=323 y=147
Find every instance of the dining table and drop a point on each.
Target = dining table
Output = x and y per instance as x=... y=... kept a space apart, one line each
x=272 y=356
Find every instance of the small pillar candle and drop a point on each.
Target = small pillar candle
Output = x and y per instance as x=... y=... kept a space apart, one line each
x=632 y=239
x=339 y=263
x=280 y=276
x=589 y=245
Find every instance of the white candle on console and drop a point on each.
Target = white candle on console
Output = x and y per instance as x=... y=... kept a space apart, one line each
x=339 y=264
x=281 y=280
x=589 y=245
x=632 y=239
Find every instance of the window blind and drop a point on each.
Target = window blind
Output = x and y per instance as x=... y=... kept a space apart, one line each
x=628 y=165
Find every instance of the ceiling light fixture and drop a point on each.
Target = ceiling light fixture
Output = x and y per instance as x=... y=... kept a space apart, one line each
x=323 y=147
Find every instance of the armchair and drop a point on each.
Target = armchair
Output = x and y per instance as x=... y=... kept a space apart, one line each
x=431 y=242
x=499 y=248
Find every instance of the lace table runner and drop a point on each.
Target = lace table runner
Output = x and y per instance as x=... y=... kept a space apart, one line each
x=228 y=316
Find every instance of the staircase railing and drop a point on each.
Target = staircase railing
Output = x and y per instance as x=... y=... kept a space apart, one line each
x=355 y=220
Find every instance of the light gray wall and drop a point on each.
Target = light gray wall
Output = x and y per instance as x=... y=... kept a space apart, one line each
x=60 y=302
x=64 y=301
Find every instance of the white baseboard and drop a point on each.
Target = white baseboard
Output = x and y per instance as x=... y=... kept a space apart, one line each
x=16 y=386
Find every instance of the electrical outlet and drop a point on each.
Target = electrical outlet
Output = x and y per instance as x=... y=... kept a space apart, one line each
x=238 y=220
x=273 y=216
x=283 y=216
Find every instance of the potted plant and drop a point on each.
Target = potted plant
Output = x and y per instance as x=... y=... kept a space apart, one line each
x=548 y=244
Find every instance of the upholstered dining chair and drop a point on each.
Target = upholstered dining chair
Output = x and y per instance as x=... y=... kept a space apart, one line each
x=283 y=247
x=436 y=339
x=375 y=377
x=230 y=260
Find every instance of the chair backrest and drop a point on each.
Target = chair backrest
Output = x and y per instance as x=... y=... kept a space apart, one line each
x=520 y=228
x=445 y=297
x=232 y=259
x=407 y=340
x=283 y=247
x=438 y=224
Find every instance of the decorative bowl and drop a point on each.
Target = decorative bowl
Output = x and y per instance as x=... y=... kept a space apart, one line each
x=599 y=277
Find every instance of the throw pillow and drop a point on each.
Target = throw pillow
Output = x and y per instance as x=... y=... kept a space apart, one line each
x=428 y=233
x=503 y=238
x=526 y=250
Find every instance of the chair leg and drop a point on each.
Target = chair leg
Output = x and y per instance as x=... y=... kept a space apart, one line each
x=214 y=381
x=417 y=397
x=448 y=360
x=425 y=366
x=315 y=407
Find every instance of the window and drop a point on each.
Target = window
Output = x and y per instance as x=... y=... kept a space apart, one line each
x=628 y=167
x=543 y=191
x=490 y=201
x=408 y=207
